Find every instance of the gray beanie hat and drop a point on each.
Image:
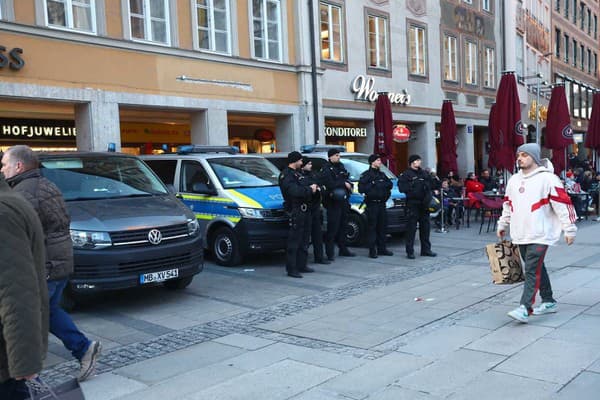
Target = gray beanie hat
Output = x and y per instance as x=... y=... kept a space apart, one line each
x=533 y=150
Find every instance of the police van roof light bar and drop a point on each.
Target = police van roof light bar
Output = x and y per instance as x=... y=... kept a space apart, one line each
x=196 y=149
x=313 y=148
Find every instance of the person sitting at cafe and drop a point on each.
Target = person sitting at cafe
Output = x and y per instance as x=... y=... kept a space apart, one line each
x=472 y=185
x=489 y=183
x=450 y=204
x=455 y=181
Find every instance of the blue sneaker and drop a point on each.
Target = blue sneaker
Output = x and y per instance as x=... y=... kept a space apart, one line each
x=545 y=308
x=520 y=314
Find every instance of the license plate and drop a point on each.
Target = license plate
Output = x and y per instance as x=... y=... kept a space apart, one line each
x=161 y=276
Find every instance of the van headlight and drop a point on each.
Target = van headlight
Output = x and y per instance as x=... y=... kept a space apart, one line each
x=90 y=240
x=193 y=226
x=252 y=213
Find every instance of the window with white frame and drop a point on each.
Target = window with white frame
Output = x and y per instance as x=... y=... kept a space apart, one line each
x=450 y=58
x=468 y=1
x=470 y=63
x=378 y=41
x=266 y=25
x=213 y=25
x=519 y=53
x=485 y=5
x=331 y=32
x=489 y=73
x=150 y=20
x=71 y=14
x=417 y=49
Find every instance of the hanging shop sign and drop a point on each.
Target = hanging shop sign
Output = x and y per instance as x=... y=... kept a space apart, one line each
x=264 y=135
x=401 y=134
x=335 y=131
x=364 y=89
x=11 y=58
x=37 y=129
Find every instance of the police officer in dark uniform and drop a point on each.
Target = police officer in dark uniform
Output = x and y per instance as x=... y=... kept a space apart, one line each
x=334 y=180
x=296 y=196
x=417 y=185
x=314 y=207
x=376 y=187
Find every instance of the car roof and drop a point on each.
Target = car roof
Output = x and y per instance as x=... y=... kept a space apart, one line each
x=196 y=156
x=86 y=154
x=316 y=154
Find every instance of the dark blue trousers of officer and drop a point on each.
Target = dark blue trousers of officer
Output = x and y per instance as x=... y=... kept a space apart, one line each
x=298 y=239
x=316 y=232
x=337 y=219
x=377 y=223
x=417 y=214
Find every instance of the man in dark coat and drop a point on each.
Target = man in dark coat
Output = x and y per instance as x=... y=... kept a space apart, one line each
x=376 y=187
x=314 y=207
x=335 y=181
x=296 y=195
x=23 y=295
x=416 y=184
x=20 y=168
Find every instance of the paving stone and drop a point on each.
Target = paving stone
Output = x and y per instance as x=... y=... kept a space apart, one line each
x=586 y=386
x=595 y=367
x=109 y=386
x=578 y=330
x=243 y=341
x=399 y=393
x=443 y=341
x=581 y=296
x=509 y=339
x=272 y=382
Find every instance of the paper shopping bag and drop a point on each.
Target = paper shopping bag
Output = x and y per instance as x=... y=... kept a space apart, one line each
x=505 y=262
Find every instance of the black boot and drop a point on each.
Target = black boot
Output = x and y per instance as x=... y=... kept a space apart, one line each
x=344 y=252
x=372 y=253
x=385 y=252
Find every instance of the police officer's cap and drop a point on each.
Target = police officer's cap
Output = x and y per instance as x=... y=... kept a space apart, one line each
x=338 y=194
x=373 y=157
x=294 y=156
x=413 y=158
x=333 y=152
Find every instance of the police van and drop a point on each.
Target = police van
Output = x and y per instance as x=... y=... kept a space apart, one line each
x=355 y=164
x=235 y=197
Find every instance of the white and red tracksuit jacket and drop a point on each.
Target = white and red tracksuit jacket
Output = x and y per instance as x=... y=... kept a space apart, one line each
x=537 y=208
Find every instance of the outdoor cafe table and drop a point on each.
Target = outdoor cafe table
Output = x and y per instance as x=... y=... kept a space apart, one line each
x=459 y=209
x=493 y=194
x=582 y=200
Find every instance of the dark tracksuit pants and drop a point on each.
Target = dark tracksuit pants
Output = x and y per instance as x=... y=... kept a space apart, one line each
x=377 y=224
x=298 y=238
x=337 y=219
x=316 y=232
x=536 y=276
x=417 y=214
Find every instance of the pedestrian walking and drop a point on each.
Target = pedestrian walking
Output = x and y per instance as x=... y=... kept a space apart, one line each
x=296 y=195
x=537 y=208
x=376 y=187
x=334 y=179
x=23 y=295
x=20 y=167
x=316 y=215
x=416 y=184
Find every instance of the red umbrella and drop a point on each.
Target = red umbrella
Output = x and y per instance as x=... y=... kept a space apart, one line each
x=384 y=131
x=592 y=138
x=559 y=134
x=494 y=144
x=507 y=120
x=448 y=139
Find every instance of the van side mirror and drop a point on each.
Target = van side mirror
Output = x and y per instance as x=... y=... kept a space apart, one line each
x=203 y=188
x=171 y=189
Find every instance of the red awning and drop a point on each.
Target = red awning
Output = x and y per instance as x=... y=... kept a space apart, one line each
x=559 y=134
x=384 y=131
x=448 y=139
x=592 y=138
x=507 y=116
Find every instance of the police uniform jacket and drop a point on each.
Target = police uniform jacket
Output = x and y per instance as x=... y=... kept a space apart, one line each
x=315 y=198
x=293 y=188
x=375 y=185
x=416 y=184
x=333 y=176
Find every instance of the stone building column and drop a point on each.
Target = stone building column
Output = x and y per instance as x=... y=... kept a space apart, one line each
x=97 y=125
x=424 y=145
x=465 y=149
x=209 y=127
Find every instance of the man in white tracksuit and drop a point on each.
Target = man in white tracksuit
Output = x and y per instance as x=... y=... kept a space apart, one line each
x=537 y=208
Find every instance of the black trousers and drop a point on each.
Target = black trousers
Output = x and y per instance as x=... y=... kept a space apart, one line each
x=536 y=275
x=316 y=232
x=337 y=219
x=298 y=238
x=417 y=214
x=13 y=390
x=377 y=225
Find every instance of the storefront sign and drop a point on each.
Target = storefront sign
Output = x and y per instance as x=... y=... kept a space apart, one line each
x=264 y=135
x=11 y=58
x=401 y=133
x=37 y=129
x=345 y=132
x=364 y=87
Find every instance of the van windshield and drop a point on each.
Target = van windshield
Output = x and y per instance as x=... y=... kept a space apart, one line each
x=241 y=172
x=90 y=178
x=356 y=164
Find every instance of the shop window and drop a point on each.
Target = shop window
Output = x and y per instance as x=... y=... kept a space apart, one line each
x=417 y=48
x=470 y=63
x=150 y=20
x=266 y=25
x=213 y=25
x=450 y=58
x=377 y=41
x=78 y=15
x=489 y=73
x=331 y=32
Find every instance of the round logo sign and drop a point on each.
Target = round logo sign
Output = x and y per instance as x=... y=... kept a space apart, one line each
x=401 y=133
x=567 y=132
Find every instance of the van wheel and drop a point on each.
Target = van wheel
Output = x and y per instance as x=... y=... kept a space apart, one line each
x=178 y=284
x=226 y=247
x=354 y=230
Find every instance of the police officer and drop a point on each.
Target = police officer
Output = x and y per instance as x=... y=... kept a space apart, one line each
x=417 y=186
x=335 y=181
x=376 y=187
x=314 y=207
x=296 y=196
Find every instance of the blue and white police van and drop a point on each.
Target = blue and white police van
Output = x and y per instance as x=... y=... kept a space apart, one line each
x=235 y=197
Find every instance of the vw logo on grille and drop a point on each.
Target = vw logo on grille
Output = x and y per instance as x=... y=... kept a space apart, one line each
x=154 y=236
